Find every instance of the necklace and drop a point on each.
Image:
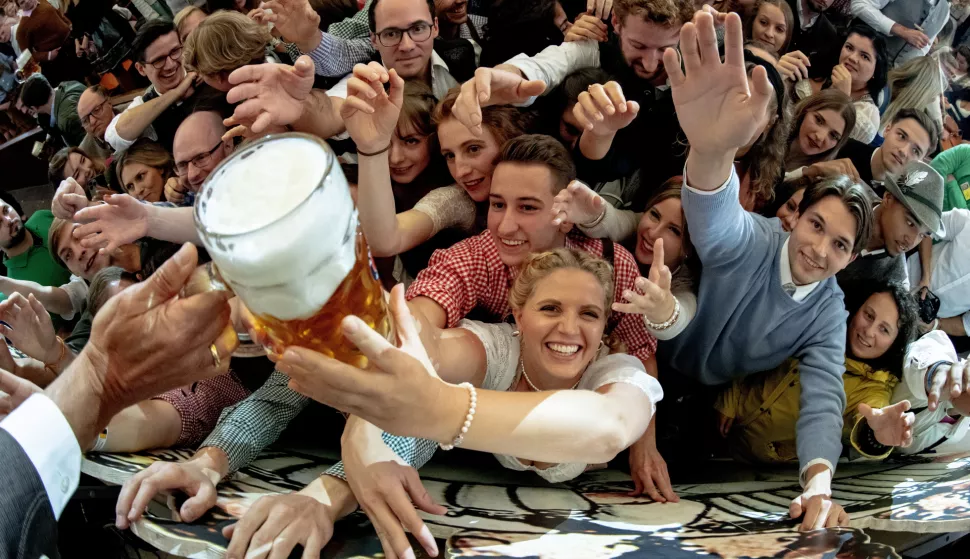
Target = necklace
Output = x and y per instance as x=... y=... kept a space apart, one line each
x=529 y=381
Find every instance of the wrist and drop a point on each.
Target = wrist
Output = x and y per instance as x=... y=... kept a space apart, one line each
x=212 y=458
x=708 y=170
x=311 y=43
x=336 y=494
x=451 y=417
x=79 y=394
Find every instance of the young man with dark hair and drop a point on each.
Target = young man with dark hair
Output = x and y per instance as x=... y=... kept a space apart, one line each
x=160 y=110
x=909 y=212
x=765 y=296
x=55 y=108
x=911 y=136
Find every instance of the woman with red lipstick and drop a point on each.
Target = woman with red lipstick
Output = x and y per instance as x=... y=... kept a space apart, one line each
x=860 y=73
x=380 y=127
x=821 y=127
x=660 y=243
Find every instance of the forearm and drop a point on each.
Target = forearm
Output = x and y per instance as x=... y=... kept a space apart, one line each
x=954 y=326
x=388 y=233
x=55 y=299
x=175 y=225
x=560 y=426
x=708 y=171
x=870 y=13
x=333 y=492
x=926 y=261
x=321 y=115
x=133 y=122
x=412 y=451
x=595 y=147
x=335 y=56
x=616 y=225
x=149 y=424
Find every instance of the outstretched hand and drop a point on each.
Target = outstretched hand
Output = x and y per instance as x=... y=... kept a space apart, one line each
x=949 y=382
x=577 y=203
x=892 y=425
x=370 y=113
x=271 y=93
x=122 y=220
x=492 y=86
x=657 y=302
x=602 y=110
x=717 y=109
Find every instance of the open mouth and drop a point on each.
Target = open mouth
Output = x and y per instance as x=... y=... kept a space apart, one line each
x=646 y=245
x=811 y=263
x=900 y=248
x=563 y=350
x=863 y=342
x=472 y=184
x=512 y=243
x=401 y=170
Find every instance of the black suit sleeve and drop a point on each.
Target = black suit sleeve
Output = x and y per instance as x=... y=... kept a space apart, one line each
x=27 y=524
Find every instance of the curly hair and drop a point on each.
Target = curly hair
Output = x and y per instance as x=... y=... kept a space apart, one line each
x=892 y=360
x=670 y=13
x=539 y=266
x=224 y=42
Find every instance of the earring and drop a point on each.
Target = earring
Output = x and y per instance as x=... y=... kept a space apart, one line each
x=515 y=333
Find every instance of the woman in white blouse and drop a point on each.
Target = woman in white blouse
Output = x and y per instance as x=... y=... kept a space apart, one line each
x=860 y=73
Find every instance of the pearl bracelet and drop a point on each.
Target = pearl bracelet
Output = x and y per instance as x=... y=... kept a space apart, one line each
x=664 y=325
x=473 y=402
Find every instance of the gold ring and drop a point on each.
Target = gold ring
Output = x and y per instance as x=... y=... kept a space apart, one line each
x=216 y=361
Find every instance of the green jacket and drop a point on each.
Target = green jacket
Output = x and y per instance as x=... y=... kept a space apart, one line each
x=36 y=263
x=955 y=162
x=66 y=120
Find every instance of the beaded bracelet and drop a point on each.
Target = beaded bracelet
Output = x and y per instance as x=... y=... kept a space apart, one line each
x=472 y=403
x=664 y=325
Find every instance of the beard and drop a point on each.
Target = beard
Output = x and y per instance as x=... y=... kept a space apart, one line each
x=16 y=238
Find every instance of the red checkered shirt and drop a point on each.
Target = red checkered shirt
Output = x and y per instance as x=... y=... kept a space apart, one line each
x=200 y=404
x=471 y=275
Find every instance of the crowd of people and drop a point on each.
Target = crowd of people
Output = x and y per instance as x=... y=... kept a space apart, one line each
x=639 y=232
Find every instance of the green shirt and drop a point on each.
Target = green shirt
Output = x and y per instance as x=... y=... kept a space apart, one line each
x=956 y=162
x=36 y=263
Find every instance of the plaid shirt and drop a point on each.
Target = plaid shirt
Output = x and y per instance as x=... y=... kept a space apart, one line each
x=200 y=404
x=471 y=275
x=335 y=56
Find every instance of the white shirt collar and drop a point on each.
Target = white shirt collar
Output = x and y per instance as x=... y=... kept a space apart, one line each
x=801 y=291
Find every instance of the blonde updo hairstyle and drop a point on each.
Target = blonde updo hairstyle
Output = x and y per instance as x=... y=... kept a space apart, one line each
x=539 y=266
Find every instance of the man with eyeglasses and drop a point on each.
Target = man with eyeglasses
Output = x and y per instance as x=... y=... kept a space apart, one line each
x=54 y=108
x=197 y=149
x=95 y=110
x=158 y=113
x=402 y=31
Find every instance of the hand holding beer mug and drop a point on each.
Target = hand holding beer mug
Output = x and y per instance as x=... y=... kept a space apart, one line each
x=279 y=223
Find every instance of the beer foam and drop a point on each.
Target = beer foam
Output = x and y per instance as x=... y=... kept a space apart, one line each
x=282 y=243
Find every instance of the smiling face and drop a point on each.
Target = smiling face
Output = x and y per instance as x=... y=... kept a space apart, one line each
x=874 y=327
x=900 y=230
x=769 y=27
x=162 y=52
x=821 y=243
x=455 y=11
x=664 y=220
x=643 y=43
x=820 y=131
x=906 y=140
x=410 y=58
x=520 y=211
x=410 y=154
x=561 y=326
x=470 y=158
x=142 y=181
x=82 y=168
x=12 y=230
x=859 y=58
x=788 y=212
x=82 y=262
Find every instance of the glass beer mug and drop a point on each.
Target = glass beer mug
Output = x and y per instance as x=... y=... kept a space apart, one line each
x=278 y=221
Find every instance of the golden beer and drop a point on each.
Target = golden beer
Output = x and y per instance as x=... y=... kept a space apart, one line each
x=279 y=223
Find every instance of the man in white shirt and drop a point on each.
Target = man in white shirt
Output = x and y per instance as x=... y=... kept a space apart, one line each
x=179 y=341
x=909 y=25
x=950 y=280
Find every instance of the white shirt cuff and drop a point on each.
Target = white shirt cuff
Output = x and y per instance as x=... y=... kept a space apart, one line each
x=48 y=440
x=717 y=190
x=801 y=474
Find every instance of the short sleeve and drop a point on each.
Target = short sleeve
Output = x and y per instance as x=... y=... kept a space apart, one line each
x=449 y=207
x=501 y=352
x=622 y=368
x=77 y=292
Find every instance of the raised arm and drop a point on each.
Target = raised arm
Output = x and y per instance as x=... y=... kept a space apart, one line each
x=123 y=220
x=55 y=299
x=133 y=122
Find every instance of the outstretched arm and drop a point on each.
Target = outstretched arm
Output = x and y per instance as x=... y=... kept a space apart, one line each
x=123 y=220
x=55 y=299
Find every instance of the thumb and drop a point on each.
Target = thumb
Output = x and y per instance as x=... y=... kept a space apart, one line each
x=396 y=92
x=228 y=531
x=304 y=66
x=795 y=509
x=532 y=88
x=201 y=502
x=168 y=280
x=865 y=410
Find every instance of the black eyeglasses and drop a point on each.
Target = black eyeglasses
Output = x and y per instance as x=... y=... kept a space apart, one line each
x=391 y=37
x=98 y=109
x=175 y=55
x=200 y=161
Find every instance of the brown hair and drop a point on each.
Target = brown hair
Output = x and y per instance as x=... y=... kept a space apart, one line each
x=101 y=282
x=539 y=266
x=855 y=199
x=148 y=153
x=58 y=163
x=542 y=150
x=832 y=99
x=686 y=277
x=54 y=239
x=417 y=112
x=503 y=121
x=183 y=15
x=786 y=12
x=224 y=42
x=766 y=157
x=925 y=121
x=670 y=13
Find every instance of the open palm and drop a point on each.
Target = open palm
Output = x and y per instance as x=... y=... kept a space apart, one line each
x=271 y=93
x=716 y=109
x=892 y=425
x=369 y=113
x=120 y=221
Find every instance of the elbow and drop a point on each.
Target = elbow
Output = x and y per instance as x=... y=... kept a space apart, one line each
x=615 y=436
x=382 y=250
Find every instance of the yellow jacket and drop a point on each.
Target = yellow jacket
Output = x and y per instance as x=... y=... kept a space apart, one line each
x=765 y=407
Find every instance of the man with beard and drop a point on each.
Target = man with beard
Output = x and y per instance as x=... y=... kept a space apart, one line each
x=25 y=252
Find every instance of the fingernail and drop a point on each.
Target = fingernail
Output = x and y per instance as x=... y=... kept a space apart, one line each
x=291 y=356
x=119 y=521
x=349 y=325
